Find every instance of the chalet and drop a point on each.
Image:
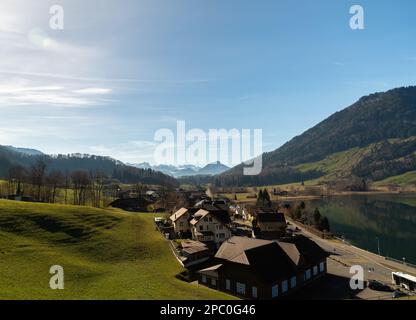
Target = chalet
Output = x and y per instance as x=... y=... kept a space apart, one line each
x=180 y=220
x=138 y=204
x=211 y=226
x=269 y=225
x=262 y=269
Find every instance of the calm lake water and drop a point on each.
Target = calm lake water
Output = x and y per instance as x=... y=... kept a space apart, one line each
x=363 y=220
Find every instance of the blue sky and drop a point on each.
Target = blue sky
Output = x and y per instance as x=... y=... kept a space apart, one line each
x=119 y=71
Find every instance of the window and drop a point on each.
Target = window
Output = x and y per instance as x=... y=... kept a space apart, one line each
x=181 y=224
x=293 y=282
x=321 y=267
x=204 y=279
x=213 y=282
x=315 y=270
x=275 y=291
x=201 y=228
x=285 y=286
x=227 y=284
x=241 y=288
x=308 y=274
x=220 y=227
x=206 y=219
x=210 y=219
x=254 y=292
x=222 y=235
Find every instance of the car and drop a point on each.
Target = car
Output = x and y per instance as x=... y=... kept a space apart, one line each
x=379 y=286
x=159 y=220
x=398 y=294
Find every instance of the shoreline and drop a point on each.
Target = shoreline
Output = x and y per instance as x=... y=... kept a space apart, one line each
x=366 y=256
x=327 y=196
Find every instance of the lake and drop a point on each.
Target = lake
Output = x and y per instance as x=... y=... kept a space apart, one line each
x=366 y=221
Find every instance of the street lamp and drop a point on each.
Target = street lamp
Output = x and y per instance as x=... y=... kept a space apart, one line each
x=378 y=246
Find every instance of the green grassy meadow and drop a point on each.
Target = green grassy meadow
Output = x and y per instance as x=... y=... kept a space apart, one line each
x=106 y=254
x=408 y=178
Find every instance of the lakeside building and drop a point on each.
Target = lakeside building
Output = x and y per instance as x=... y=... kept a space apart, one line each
x=269 y=225
x=262 y=269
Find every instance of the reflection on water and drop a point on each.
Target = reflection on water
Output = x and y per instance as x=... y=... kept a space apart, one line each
x=367 y=221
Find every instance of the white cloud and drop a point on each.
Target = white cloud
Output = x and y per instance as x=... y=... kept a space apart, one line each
x=93 y=91
x=23 y=92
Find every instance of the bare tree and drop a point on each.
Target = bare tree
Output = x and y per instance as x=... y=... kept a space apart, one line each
x=17 y=175
x=80 y=182
x=98 y=180
x=54 y=180
x=37 y=176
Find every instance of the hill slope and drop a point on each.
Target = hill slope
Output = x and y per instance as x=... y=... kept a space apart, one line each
x=375 y=119
x=68 y=163
x=106 y=254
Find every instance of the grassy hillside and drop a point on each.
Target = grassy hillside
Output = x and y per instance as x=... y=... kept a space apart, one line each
x=408 y=178
x=106 y=254
x=373 y=139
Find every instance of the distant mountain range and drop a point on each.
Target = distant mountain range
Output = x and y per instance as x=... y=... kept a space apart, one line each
x=373 y=139
x=27 y=151
x=186 y=170
x=13 y=156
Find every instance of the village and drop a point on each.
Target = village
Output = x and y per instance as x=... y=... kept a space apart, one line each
x=260 y=251
x=259 y=244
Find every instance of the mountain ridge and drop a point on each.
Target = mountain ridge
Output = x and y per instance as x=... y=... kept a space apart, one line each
x=186 y=170
x=375 y=118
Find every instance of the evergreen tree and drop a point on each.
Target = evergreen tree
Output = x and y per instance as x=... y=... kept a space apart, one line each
x=324 y=224
x=316 y=216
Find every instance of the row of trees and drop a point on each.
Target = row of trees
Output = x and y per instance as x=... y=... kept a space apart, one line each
x=78 y=187
x=315 y=219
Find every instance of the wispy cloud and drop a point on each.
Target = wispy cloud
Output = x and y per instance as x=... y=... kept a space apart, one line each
x=93 y=91
x=25 y=93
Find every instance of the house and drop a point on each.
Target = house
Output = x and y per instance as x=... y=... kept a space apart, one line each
x=138 y=204
x=263 y=269
x=180 y=221
x=216 y=205
x=269 y=225
x=211 y=226
x=193 y=252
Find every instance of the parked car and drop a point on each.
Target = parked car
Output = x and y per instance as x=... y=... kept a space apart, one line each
x=398 y=294
x=379 y=286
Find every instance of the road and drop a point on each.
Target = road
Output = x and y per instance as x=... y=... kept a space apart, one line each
x=343 y=256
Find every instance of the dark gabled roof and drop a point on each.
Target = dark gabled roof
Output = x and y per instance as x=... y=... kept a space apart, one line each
x=271 y=217
x=222 y=206
x=308 y=249
x=271 y=259
x=212 y=205
x=222 y=215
